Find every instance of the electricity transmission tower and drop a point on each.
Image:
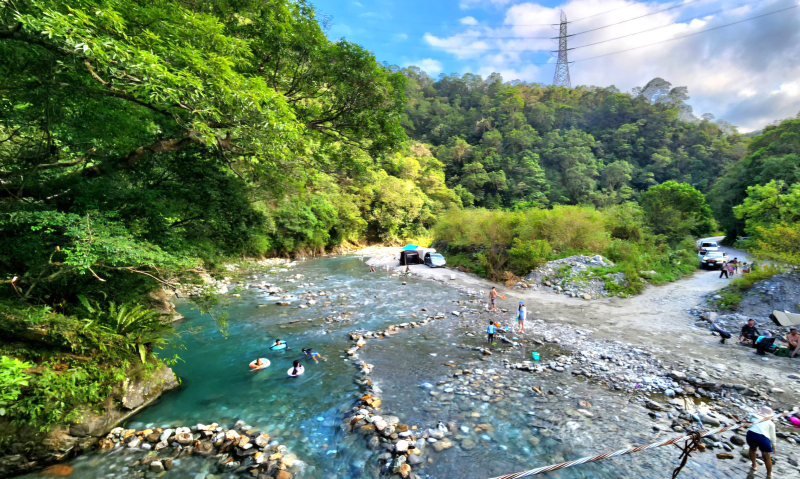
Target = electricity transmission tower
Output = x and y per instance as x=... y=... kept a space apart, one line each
x=561 y=78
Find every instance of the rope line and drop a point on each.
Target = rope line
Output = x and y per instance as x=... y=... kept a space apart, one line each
x=694 y=438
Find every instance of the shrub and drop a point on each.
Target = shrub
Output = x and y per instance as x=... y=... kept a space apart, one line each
x=527 y=255
x=12 y=379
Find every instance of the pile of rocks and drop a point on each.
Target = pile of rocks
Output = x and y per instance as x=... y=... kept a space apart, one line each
x=359 y=335
x=240 y=450
x=574 y=276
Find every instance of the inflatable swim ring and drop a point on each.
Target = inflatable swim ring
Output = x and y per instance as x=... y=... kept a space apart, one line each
x=278 y=347
x=256 y=368
x=794 y=420
x=289 y=372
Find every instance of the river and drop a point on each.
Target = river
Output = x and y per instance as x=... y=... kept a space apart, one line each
x=518 y=431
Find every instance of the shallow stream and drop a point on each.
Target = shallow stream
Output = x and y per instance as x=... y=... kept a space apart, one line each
x=516 y=432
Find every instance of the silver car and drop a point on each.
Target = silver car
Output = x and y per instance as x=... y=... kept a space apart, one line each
x=713 y=259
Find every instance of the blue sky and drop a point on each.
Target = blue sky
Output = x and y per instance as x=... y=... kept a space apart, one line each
x=748 y=74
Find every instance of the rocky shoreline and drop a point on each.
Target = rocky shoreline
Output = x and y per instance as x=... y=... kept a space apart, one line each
x=241 y=450
x=31 y=450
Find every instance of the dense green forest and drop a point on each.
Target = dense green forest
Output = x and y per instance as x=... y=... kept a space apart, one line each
x=518 y=144
x=144 y=143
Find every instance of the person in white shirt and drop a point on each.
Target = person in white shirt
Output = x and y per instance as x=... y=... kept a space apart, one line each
x=762 y=436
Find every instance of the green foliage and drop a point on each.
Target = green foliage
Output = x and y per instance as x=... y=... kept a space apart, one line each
x=677 y=210
x=773 y=155
x=12 y=379
x=78 y=362
x=142 y=328
x=728 y=300
x=527 y=255
x=491 y=242
x=508 y=144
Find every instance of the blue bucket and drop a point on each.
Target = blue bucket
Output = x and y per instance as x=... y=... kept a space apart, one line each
x=535 y=356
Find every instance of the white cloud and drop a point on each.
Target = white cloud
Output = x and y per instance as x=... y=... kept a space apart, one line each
x=429 y=65
x=399 y=37
x=745 y=73
x=789 y=89
x=468 y=21
x=357 y=4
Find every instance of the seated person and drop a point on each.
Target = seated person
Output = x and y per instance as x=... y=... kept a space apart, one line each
x=764 y=343
x=749 y=332
x=314 y=355
x=794 y=341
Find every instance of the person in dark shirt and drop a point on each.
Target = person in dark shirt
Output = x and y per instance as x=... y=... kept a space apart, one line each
x=749 y=332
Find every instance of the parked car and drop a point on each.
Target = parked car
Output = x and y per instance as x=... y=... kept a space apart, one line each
x=435 y=260
x=713 y=259
x=708 y=246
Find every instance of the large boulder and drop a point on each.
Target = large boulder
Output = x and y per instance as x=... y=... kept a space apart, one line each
x=139 y=391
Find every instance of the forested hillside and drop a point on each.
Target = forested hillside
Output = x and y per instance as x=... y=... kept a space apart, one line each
x=518 y=144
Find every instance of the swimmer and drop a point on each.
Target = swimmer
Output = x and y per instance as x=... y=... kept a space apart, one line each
x=297 y=369
x=258 y=364
x=314 y=355
x=279 y=345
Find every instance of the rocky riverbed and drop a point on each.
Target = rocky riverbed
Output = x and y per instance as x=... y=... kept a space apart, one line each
x=241 y=450
x=666 y=398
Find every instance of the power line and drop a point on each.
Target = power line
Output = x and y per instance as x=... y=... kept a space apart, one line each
x=657 y=43
x=621 y=37
x=623 y=21
x=690 y=34
x=636 y=18
x=607 y=11
x=668 y=25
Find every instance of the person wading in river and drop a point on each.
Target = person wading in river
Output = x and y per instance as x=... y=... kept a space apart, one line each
x=493 y=299
x=490 y=332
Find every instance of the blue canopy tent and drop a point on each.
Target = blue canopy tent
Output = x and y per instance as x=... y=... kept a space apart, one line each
x=410 y=247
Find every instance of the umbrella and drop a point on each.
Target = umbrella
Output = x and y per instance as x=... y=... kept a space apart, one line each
x=410 y=247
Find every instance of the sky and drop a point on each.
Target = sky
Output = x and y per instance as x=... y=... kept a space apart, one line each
x=747 y=73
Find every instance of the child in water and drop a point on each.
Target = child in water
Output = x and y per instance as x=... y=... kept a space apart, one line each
x=314 y=355
x=297 y=369
x=490 y=331
x=278 y=342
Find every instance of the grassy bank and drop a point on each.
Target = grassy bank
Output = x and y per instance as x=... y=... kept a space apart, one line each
x=496 y=244
x=53 y=366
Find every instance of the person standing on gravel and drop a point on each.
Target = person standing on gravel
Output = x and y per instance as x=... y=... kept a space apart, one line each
x=762 y=436
x=493 y=299
x=724 y=269
x=521 y=313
